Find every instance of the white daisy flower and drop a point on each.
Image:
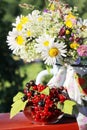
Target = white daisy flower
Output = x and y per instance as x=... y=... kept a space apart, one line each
x=54 y=53
x=43 y=42
x=20 y=22
x=82 y=24
x=15 y=40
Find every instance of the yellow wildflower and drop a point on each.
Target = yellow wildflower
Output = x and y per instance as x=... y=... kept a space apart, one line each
x=69 y=23
x=74 y=45
x=67 y=32
x=52 y=7
x=70 y=16
x=70 y=19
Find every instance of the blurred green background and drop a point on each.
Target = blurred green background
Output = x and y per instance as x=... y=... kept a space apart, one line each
x=14 y=73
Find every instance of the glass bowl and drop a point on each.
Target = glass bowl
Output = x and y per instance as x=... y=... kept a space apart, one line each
x=40 y=116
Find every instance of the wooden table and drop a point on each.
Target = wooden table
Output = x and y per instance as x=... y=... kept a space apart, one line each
x=20 y=122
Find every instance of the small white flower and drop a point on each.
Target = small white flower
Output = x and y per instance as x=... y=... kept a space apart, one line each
x=34 y=15
x=15 y=40
x=28 y=52
x=54 y=53
x=43 y=42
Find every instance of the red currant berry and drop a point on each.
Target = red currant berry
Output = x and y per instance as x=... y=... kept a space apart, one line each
x=29 y=94
x=26 y=90
x=62 y=98
x=34 y=87
x=42 y=96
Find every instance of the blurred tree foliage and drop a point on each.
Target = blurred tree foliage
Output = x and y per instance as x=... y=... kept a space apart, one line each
x=10 y=77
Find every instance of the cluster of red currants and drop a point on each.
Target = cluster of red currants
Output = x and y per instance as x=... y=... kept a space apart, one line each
x=42 y=107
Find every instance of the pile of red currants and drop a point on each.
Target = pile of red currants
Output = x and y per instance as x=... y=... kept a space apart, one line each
x=42 y=107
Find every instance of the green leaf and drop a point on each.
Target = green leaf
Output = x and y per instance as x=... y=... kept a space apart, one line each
x=68 y=106
x=46 y=91
x=60 y=105
x=18 y=96
x=31 y=88
x=17 y=107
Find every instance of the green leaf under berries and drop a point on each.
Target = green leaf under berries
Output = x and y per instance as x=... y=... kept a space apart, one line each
x=18 y=104
x=68 y=107
x=46 y=91
x=17 y=107
x=18 y=96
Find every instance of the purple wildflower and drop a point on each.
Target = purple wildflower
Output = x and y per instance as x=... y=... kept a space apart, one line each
x=78 y=60
x=46 y=10
x=62 y=31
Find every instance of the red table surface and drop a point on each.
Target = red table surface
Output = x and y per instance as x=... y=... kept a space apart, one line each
x=20 y=122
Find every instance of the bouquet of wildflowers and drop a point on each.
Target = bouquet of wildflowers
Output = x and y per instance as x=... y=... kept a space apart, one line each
x=56 y=35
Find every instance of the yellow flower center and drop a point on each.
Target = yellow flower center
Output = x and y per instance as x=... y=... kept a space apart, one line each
x=46 y=43
x=19 y=40
x=29 y=33
x=40 y=19
x=24 y=19
x=74 y=45
x=53 y=52
x=83 y=27
x=19 y=27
